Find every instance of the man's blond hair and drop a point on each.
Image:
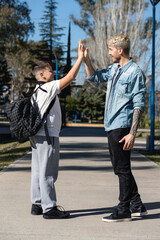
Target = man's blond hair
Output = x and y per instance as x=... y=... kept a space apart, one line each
x=120 y=41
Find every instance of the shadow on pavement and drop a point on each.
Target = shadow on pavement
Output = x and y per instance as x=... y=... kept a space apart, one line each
x=86 y=156
x=89 y=212
x=107 y=210
x=90 y=152
x=152 y=205
x=83 y=131
x=85 y=168
x=147 y=217
x=80 y=146
x=18 y=169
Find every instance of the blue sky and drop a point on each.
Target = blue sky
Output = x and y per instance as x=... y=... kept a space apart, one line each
x=64 y=9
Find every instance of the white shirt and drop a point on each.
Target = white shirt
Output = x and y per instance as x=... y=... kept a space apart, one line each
x=42 y=99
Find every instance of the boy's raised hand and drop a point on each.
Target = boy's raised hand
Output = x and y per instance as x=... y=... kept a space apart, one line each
x=82 y=50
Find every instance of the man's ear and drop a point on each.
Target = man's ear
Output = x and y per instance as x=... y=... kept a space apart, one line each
x=120 y=50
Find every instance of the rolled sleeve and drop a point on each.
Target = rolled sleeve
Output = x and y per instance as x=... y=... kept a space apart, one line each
x=100 y=76
x=139 y=91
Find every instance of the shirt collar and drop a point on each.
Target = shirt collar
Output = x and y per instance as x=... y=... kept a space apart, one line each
x=126 y=66
x=40 y=82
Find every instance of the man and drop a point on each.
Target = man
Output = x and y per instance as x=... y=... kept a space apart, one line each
x=123 y=109
x=45 y=154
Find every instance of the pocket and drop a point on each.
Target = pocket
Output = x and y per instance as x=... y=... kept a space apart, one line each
x=123 y=88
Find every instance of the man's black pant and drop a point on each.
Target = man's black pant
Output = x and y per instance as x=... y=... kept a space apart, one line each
x=122 y=167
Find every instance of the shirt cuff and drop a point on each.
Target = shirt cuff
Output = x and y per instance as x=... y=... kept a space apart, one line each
x=93 y=76
x=141 y=108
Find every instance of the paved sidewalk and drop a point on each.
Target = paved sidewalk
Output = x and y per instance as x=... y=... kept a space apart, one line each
x=87 y=187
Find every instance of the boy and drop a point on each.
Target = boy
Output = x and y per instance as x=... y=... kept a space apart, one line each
x=45 y=156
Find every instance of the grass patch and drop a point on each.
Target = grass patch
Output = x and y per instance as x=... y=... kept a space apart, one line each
x=155 y=158
x=11 y=151
x=145 y=134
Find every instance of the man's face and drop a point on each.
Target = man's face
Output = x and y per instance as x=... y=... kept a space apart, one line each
x=114 y=53
x=48 y=75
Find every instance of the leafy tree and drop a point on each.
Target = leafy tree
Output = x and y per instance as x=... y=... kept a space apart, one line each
x=66 y=91
x=15 y=23
x=91 y=102
x=67 y=67
x=51 y=33
x=71 y=106
x=20 y=60
x=5 y=77
x=15 y=27
x=68 y=62
x=101 y=19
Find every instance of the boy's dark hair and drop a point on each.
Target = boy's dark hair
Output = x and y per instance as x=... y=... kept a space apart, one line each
x=40 y=66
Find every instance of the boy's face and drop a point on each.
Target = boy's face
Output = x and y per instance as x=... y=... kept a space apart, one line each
x=114 y=53
x=48 y=75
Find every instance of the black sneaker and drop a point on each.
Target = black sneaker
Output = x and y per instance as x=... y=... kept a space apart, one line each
x=118 y=216
x=138 y=212
x=56 y=213
x=36 y=209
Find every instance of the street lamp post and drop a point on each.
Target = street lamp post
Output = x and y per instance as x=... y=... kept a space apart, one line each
x=55 y=55
x=4 y=117
x=56 y=69
x=75 y=117
x=5 y=93
x=154 y=3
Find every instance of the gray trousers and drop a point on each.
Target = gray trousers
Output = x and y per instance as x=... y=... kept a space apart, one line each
x=44 y=173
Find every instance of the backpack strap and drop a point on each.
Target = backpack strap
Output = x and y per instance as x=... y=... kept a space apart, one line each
x=40 y=83
x=45 y=120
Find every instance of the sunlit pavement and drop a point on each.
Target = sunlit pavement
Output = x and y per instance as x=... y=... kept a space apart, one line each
x=86 y=187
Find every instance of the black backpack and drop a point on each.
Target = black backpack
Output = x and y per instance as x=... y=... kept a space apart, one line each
x=25 y=121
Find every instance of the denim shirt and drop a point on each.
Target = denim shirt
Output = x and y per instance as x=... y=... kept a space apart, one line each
x=125 y=92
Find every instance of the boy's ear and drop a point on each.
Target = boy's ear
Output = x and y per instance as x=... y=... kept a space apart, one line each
x=41 y=74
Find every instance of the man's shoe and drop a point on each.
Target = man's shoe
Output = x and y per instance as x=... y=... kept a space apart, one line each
x=36 y=209
x=118 y=216
x=56 y=213
x=138 y=212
